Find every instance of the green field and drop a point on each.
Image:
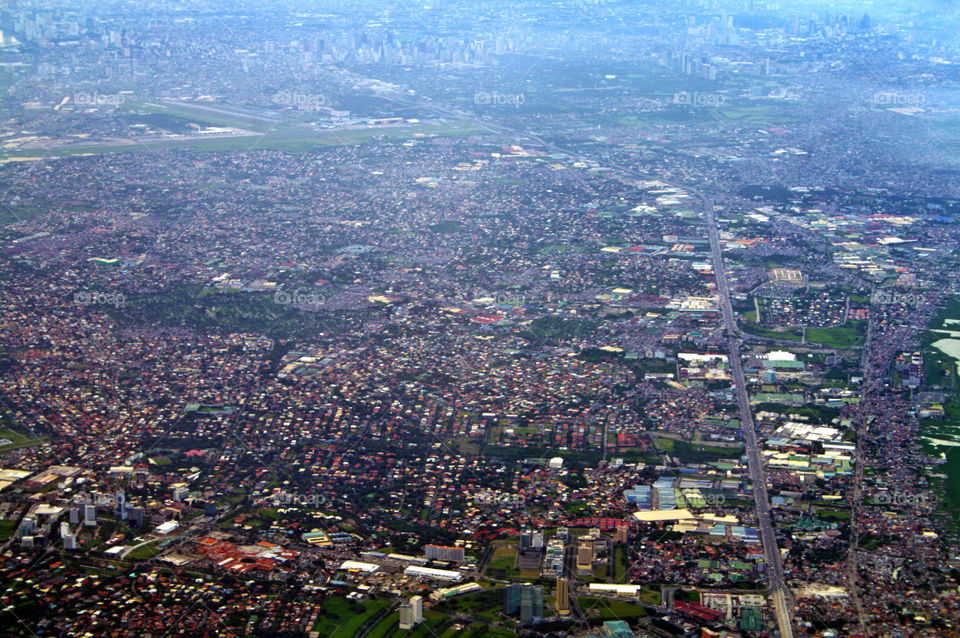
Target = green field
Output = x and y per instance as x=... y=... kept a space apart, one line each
x=729 y=113
x=293 y=140
x=951 y=487
x=833 y=515
x=501 y=565
x=22 y=213
x=144 y=552
x=474 y=630
x=7 y=528
x=18 y=440
x=610 y=609
x=390 y=624
x=849 y=335
x=940 y=371
x=514 y=454
x=341 y=618
x=205 y=114
x=818 y=413
x=434 y=624
x=619 y=563
x=939 y=368
x=651 y=596
x=216 y=311
x=485 y=605
x=786 y=334
x=504 y=557
x=757 y=114
x=695 y=453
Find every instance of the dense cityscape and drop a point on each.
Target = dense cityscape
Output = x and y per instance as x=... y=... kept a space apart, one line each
x=571 y=318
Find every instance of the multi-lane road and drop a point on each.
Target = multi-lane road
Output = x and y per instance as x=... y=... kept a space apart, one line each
x=779 y=591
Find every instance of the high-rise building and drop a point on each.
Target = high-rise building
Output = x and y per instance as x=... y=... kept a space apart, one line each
x=416 y=605
x=121 y=509
x=511 y=599
x=526 y=539
x=449 y=554
x=527 y=599
x=531 y=540
x=411 y=613
x=416 y=609
x=531 y=604
x=553 y=561
x=585 y=556
x=621 y=534
x=136 y=516
x=89 y=515
x=563 y=597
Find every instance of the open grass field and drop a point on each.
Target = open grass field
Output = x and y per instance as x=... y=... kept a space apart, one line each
x=504 y=557
x=951 y=486
x=610 y=609
x=849 y=335
x=7 y=528
x=694 y=453
x=939 y=368
x=786 y=334
x=341 y=618
x=207 y=114
x=17 y=440
x=144 y=552
x=292 y=139
x=389 y=625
